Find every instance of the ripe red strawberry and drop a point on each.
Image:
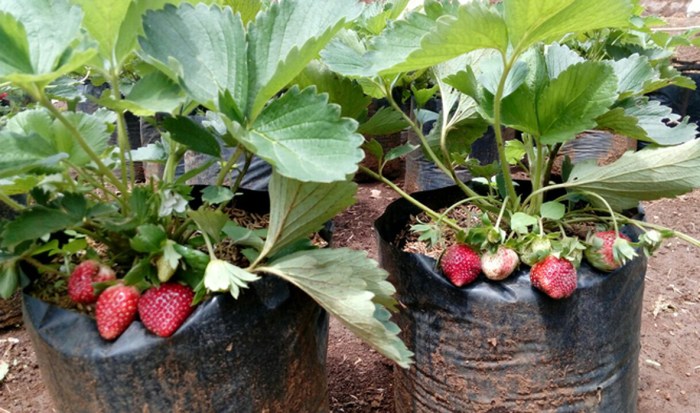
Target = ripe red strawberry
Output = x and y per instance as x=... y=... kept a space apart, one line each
x=600 y=250
x=554 y=276
x=116 y=309
x=80 y=288
x=460 y=264
x=163 y=309
x=500 y=264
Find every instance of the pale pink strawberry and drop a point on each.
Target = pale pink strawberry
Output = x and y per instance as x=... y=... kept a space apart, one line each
x=116 y=310
x=163 y=309
x=500 y=264
x=554 y=276
x=460 y=264
x=80 y=288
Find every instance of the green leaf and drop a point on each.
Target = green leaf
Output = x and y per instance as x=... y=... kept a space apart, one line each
x=203 y=47
x=632 y=74
x=304 y=138
x=195 y=263
x=216 y=195
x=571 y=103
x=534 y=21
x=520 y=222
x=9 y=280
x=187 y=132
x=515 y=151
x=384 y=122
x=14 y=48
x=248 y=9
x=341 y=90
x=209 y=221
x=35 y=223
x=400 y=151
x=32 y=136
x=353 y=289
x=552 y=210
x=243 y=236
x=153 y=93
x=154 y=152
x=285 y=38
x=299 y=209
x=149 y=238
x=559 y=58
x=374 y=148
x=141 y=271
x=649 y=174
x=103 y=20
x=45 y=42
x=649 y=121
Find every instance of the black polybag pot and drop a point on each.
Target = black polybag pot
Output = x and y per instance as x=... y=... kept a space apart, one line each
x=265 y=352
x=505 y=347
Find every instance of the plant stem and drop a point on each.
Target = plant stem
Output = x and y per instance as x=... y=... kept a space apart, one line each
x=210 y=247
x=550 y=163
x=607 y=205
x=436 y=216
x=498 y=132
x=43 y=267
x=229 y=165
x=431 y=154
x=122 y=136
x=11 y=202
x=44 y=101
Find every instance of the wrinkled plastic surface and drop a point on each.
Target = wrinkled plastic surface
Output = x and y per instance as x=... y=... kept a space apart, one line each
x=505 y=347
x=265 y=352
x=422 y=174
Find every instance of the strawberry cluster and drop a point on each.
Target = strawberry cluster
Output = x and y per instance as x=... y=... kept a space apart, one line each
x=162 y=309
x=551 y=272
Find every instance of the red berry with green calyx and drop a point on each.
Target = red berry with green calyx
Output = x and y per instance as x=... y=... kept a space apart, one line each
x=163 y=309
x=116 y=310
x=80 y=288
x=600 y=252
x=554 y=276
x=500 y=264
x=460 y=264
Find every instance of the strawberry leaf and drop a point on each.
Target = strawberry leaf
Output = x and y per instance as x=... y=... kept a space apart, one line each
x=285 y=38
x=204 y=47
x=48 y=51
x=299 y=209
x=34 y=223
x=149 y=238
x=533 y=21
x=649 y=174
x=353 y=289
x=521 y=222
x=552 y=210
x=9 y=280
x=305 y=138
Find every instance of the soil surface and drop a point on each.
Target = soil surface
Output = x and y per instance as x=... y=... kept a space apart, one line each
x=360 y=380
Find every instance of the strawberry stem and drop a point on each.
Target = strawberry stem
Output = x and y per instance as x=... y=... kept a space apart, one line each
x=607 y=205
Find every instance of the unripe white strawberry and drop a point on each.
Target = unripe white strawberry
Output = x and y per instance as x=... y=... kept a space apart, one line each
x=500 y=264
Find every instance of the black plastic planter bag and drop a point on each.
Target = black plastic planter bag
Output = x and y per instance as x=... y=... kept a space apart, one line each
x=505 y=347
x=265 y=352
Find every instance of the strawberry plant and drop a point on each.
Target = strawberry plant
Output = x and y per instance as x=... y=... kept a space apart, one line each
x=551 y=71
x=236 y=63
